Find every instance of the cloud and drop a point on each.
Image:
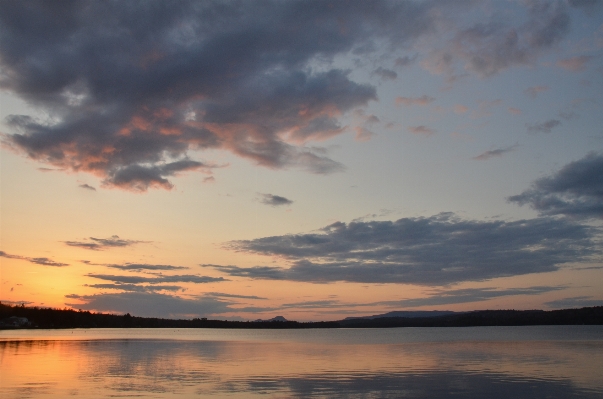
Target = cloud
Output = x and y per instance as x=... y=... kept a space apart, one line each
x=535 y=90
x=87 y=187
x=574 y=302
x=144 y=266
x=441 y=249
x=576 y=190
x=97 y=244
x=224 y=295
x=422 y=130
x=494 y=44
x=460 y=109
x=275 y=200
x=150 y=304
x=514 y=111
x=136 y=288
x=401 y=62
x=574 y=64
x=385 y=74
x=495 y=153
x=466 y=295
x=37 y=261
x=132 y=90
x=187 y=278
x=408 y=101
x=544 y=127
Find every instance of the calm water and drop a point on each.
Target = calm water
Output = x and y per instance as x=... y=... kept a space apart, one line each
x=482 y=362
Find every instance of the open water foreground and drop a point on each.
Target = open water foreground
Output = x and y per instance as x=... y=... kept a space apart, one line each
x=473 y=362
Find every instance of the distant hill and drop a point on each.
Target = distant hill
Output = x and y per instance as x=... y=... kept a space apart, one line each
x=407 y=313
x=277 y=318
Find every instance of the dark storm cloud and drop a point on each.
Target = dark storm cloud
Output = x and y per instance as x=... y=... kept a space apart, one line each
x=187 y=278
x=132 y=88
x=103 y=243
x=150 y=304
x=441 y=249
x=495 y=153
x=37 y=261
x=544 y=127
x=275 y=200
x=576 y=190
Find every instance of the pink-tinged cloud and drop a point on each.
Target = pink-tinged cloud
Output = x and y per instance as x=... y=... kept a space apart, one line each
x=535 y=90
x=514 y=111
x=460 y=109
x=421 y=130
x=574 y=64
x=408 y=101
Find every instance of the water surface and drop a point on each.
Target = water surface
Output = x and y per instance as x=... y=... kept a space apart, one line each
x=493 y=362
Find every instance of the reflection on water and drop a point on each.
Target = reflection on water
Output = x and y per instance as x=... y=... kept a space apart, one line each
x=564 y=363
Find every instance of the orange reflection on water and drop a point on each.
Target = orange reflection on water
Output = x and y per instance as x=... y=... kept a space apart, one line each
x=344 y=363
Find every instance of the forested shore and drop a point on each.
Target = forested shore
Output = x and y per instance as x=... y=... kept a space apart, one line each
x=24 y=317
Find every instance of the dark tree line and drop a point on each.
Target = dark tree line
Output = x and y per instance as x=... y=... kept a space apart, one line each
x=69 y=318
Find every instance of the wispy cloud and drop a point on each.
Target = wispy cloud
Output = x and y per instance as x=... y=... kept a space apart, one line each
x=535 y=90
x=574 y=64
x=544 y=127
x=495 y=153
x=421 y=130
x=187 y=278
x=97 y=244
x=408 y=101
x=43 y=261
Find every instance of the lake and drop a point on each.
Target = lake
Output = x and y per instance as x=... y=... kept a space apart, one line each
x=476 y=362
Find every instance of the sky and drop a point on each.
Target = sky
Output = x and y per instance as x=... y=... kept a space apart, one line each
x=310 y=159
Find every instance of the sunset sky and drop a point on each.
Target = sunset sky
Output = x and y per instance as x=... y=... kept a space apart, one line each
x=310 y=159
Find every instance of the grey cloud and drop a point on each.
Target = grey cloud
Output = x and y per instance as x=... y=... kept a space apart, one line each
x=224 y=295
x=467 y=295
x=38 y=261
x=544 y=127
x=576 y=190
x=133 y=88
x=103 y=243
x=421 y=130
x=486 y=48
x=87 y=187
x=385 y=74
x=275 y=200
x=535 y=90
x=187 y=278
x=495 y=153
x=150 y=304
x=135 y=287
x=423 y=100
x=574 y=302
x=144 y=266
x=405 y=61
x=441 y=249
